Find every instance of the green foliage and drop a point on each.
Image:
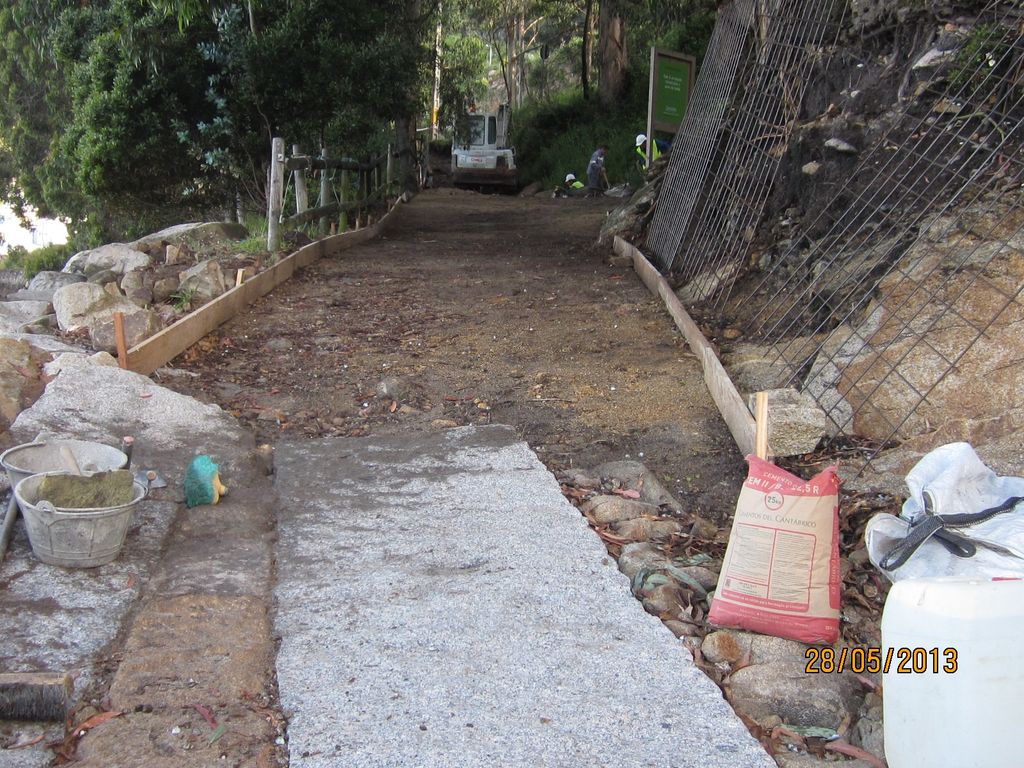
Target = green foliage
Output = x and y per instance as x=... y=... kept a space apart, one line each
x=15 y=258
x=128 y=115
x=50 y=258
x=982 y=67
x=182 y=298
x=558 y=137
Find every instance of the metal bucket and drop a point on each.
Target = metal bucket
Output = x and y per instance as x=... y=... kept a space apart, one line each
x=33 y=458
x=74 y=538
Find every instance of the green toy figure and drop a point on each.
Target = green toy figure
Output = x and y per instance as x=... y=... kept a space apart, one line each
x=202 y=482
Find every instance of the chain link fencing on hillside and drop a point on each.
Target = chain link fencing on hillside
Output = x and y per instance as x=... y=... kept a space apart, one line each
x=727 y=151
x=890 y=320
x=903 y=310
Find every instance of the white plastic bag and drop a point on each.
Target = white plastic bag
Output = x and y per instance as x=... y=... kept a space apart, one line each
x=958 y=483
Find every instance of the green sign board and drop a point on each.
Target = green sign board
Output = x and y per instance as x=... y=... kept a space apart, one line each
x=672 y=77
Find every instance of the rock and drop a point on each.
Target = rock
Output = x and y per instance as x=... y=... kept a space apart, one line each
x=624 y=219
x=867 y=733
x=796 y=424
x=642 y=529
x=19 y=385
x=11 y=280
x=841 y=146
x=612 y=509
x=682 y=628
x=531 y=189
x=132 y=281
x=51 y=281
x=706 y=284
x=195 y=235
x=139 y=325
x=633 y=475
x=933 y=58
x=26 y=295
x=177 y=254
x=116 y=257
x=784 y=688
x=164 y=288
x=142 y=297
x=729 y=645
x=103 y=277
x=279 y=345
x=811 y=168
x=67 y=360
x=664 y=599
x=640 y=555
x=15 y=315
x=204 y=282
x=580 y=478
x=804 y=760
x=707 y=578
x=392 y=387
x=88 y=305
x=444 y=423
x=112 y=289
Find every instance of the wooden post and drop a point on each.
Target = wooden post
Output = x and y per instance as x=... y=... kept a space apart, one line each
x=275 y=194
x=390 y=173
x=761 y=422
x=324 y=191
x=119 y=340
x=301 y=195
x=343 y=225
x=239 y=277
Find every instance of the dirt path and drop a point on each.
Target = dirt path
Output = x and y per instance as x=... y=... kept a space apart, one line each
x=478 y=309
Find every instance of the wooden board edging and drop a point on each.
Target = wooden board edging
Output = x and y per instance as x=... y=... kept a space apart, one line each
x=727 y=399
x=156 y=351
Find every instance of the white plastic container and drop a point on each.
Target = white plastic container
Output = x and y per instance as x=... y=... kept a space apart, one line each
x=935 y=717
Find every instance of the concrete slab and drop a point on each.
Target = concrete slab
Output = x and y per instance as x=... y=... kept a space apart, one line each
x=441 y=604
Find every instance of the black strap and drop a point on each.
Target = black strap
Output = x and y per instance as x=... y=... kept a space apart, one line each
x=938 y=525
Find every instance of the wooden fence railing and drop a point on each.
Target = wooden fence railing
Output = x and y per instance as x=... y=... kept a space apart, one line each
x=369 y=188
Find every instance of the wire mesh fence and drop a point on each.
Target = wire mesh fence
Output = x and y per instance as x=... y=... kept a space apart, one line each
x=727 y=151
x=906 y=312
x=902 y=320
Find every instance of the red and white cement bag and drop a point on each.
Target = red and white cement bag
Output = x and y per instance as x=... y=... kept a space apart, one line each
x=781 y=571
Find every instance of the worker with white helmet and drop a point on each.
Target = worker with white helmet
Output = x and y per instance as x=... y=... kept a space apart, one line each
x=641 y=149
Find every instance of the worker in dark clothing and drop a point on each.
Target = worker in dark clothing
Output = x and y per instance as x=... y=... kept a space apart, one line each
x=597 y=177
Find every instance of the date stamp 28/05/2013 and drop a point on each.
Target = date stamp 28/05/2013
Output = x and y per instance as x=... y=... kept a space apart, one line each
x=873 y=660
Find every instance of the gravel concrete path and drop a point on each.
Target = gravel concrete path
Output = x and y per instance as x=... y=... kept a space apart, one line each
x=441 y=604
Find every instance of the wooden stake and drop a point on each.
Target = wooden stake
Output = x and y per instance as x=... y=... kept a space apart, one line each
x=239 y=277
x=301 y=195
x=276 y=194
x=761 y=421
x=119 y=340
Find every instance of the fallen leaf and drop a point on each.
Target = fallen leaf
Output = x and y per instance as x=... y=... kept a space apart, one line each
x=96 y=720
x=394 y=406
x=627 y=493
x=215 y=736
x=845 y=748
x=207 y=715
x=23 y=744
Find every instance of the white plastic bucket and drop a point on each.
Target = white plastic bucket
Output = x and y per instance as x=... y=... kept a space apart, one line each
x=33 y=458
x=74 y=538
x=958 y=699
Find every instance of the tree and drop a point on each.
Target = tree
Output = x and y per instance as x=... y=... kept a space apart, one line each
x=613 y=54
